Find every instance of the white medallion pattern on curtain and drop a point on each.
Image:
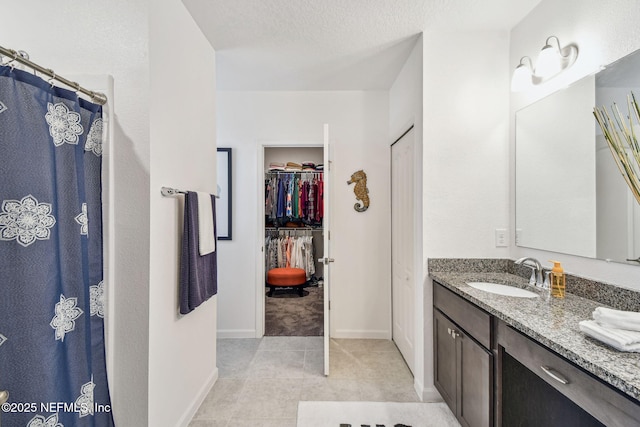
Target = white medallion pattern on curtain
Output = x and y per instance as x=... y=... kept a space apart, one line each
x=96 y=299
x=40 y=421
x=2 y=339
x=64 y=125
x=83 y=220
x=84 y=402
x=26 y=220
x=3 y=107
x=67 y=311
x=94 y=138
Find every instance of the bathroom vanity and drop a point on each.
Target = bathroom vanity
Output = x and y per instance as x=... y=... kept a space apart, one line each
x=503 y=360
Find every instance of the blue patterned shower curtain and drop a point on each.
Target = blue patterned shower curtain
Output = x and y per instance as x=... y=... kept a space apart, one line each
x=52 y=356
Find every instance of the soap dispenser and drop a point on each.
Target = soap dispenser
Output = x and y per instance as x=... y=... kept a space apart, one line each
x=557 y=280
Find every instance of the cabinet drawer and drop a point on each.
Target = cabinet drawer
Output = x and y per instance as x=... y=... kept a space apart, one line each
x=609 y=406
x=473 y=320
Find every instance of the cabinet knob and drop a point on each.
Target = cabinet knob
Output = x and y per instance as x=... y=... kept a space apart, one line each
x=453 y=333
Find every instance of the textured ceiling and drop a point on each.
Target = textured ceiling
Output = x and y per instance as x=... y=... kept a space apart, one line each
x=332 y=44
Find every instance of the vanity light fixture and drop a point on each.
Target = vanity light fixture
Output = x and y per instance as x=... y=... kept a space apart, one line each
x=522 y=76
x=551 y=61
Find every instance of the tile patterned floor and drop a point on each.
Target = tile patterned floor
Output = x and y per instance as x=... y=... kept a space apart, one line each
x=261 y=381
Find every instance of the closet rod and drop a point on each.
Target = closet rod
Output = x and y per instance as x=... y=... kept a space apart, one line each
x=294 y=228
x=97 y=97
x=292 y=172
x=168 y=192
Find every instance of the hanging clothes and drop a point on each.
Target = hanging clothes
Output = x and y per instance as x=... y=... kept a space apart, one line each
x=295 y=196
x=290 y=251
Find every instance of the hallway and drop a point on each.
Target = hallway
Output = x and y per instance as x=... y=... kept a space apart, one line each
x=261 y=381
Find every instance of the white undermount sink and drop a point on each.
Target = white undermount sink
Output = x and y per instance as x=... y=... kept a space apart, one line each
x=507 y=290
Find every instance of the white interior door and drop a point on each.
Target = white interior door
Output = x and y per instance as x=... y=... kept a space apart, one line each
x=326 y=259
x=402 y=242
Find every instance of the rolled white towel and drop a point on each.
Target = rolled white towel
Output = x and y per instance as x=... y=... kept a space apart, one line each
x=617 y=319
x=617 y=338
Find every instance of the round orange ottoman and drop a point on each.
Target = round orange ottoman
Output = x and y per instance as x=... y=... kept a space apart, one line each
x=286 y=277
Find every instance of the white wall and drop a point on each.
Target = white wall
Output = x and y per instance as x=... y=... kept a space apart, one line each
x=182 y=350
x=405 y=109
x=465 y=153
x=358 y=126
x=102 y=38
x=604 y=32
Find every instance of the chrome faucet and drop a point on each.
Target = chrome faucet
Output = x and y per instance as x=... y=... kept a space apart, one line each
x=536 y=270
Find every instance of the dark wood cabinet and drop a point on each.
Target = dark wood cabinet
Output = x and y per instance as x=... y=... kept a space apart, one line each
x=534 y=375
x=490 y=374
x=463 y=367
x=445 y=360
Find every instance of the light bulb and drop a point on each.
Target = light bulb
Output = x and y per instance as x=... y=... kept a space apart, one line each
x=521 y=79
x=549 y=62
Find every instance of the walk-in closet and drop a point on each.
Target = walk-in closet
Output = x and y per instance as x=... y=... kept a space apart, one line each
x=293 y=241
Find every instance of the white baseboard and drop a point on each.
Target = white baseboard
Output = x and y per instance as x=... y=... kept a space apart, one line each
x=237 y=333
x=361 y=334
x=431 y=394
x=418 y=387
x=202 y=394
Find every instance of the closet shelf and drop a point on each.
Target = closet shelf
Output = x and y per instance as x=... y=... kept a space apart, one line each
x=306 y=228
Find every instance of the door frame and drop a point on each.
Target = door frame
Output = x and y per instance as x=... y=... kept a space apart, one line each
x=260 y=273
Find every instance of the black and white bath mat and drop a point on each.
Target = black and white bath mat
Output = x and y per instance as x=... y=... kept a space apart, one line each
x=374 y=414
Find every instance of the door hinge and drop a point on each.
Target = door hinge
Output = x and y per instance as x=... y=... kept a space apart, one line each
x=329 y=305
x=329 y=233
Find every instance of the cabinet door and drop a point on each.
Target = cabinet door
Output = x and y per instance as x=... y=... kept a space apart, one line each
x=445 y=364
x=475 y=390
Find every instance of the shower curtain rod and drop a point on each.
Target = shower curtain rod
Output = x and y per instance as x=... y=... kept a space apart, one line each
x=97 y=97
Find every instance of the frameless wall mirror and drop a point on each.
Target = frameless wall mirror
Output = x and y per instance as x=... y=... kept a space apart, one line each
x=570 y=196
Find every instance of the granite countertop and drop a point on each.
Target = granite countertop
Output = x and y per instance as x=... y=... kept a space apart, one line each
x=553 y=322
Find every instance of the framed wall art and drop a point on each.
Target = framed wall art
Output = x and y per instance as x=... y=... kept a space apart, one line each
x=223 y=202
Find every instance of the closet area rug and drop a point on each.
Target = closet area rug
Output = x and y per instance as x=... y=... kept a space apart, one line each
x=387 y=414
x=288 y=314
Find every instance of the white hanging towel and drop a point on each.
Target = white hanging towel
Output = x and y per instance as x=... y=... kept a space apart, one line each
x=206 y=226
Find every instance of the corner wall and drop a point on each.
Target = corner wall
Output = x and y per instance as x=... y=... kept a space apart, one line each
x=603 y=32
x=465 y=153
x=405 y=109
x=358 y=128
x=182 y=349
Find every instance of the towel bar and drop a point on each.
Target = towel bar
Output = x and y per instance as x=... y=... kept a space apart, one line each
x=168 y=192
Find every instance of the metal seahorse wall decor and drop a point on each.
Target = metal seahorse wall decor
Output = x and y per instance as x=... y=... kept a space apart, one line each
x=360 y=189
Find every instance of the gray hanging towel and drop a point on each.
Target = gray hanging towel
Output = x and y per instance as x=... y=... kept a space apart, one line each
x=198 y=274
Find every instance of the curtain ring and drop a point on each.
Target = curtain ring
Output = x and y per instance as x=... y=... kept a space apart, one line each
x=53 y=76
x=76 y=87
x=12 y=62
